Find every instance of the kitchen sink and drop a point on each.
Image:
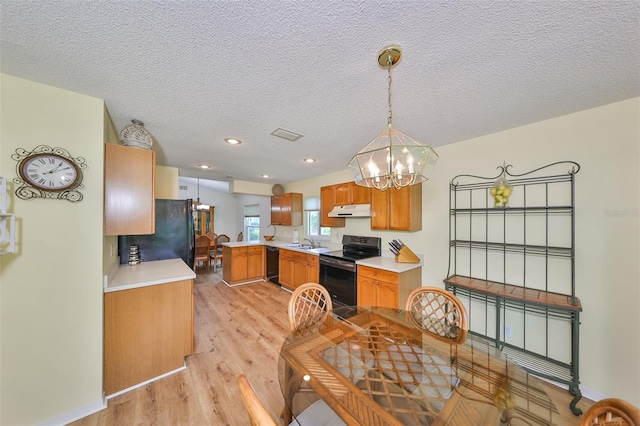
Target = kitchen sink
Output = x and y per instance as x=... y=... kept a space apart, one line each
x=301 y=246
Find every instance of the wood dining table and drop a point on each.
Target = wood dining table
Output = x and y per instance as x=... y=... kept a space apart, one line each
x=376 y=366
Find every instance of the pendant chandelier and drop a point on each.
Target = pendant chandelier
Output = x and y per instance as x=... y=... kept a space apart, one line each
x=393 y=159
x=201 y=206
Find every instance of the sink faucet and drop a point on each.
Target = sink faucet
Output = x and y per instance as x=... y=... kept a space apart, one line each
x=311 y=240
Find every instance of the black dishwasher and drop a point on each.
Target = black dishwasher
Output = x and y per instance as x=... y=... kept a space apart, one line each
x=273 y=260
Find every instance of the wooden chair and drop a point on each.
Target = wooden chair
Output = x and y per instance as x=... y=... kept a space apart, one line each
x=309 y=306
x=203 y=245
x=240 y=236
x=610 y=412
x=438 y=312
x=217 y=251
x=318 y=413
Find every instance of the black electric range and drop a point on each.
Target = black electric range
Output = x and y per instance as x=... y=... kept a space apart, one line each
x=338 y=268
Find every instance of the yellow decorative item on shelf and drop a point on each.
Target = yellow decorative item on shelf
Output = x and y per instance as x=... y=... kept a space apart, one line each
x=501 y=190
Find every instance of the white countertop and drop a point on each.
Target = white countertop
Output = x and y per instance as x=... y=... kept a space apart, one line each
x=381 y=262
x=125 y=277
x=389 y=264
x=281 y=244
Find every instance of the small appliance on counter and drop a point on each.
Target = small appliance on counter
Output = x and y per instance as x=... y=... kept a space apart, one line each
x=134 y=255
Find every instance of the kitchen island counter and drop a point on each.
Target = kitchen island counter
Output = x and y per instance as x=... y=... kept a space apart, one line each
x=125 y=277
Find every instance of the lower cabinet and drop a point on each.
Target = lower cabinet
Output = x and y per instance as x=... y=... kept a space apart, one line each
x=379 y=287
x=243 y=264
x=298 y=268
x=147 y=332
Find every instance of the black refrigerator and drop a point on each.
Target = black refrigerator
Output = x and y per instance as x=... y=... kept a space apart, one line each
x=174 y=237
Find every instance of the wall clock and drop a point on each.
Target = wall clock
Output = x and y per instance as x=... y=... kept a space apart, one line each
x=47 y=172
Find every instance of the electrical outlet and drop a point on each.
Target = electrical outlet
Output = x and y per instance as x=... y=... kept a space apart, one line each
x=508 y=331
x=111 y=245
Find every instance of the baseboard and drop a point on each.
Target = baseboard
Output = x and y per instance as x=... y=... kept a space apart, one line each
x=76 y=414
x=586 y=392
x=245 y=283
x=147 y=382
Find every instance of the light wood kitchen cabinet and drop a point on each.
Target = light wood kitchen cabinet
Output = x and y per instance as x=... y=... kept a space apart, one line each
x=286 y=209
x=351 y=193
x=243 y=264
x=129 y=182
x=397 y=209
x=285 y=265
x=379 y=287
x=147 y=332
x=297 y=268
x=327 y=203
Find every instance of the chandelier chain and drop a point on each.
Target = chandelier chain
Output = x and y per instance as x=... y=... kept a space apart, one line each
x=389 y=63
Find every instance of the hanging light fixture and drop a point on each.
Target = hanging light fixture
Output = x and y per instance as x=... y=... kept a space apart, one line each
x=392 y=159
x=201 y=206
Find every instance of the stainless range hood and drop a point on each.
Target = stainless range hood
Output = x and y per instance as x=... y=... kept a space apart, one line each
x=352 y=210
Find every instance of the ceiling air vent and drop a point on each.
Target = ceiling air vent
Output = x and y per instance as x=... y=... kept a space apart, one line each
x=286 y=134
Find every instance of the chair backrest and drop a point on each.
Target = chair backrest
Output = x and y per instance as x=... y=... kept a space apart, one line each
x=203 y=244
x=258 y=415
x=439 y=312
x=222 y=238
x=212 y=236
x=240 y=236
x=611 y=411
x=309 y=305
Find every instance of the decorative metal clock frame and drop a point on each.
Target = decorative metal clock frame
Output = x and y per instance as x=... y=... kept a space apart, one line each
x=27 y=190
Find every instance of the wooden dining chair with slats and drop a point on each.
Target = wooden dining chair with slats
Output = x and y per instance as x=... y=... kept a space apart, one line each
x=217 y=255
x=203 y=246
x=438 y=312
x=611 y=412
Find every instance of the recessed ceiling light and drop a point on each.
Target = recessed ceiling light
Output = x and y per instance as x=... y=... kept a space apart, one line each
x=232 y=141
x=309 y=160
x=266 y=176
x=204 y=166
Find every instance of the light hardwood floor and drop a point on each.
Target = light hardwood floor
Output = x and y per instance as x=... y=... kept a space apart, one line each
x=237 y=330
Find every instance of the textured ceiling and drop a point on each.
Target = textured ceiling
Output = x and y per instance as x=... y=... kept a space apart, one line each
x=198 y=71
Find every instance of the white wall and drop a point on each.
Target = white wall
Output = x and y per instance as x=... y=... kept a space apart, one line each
x=51 y=289
x=605 y=141
x=225 y=215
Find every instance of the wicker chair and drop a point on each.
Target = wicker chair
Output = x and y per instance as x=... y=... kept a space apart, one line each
x=610 y=412
x=309 y=306
x=438 y=312
x=318 y=413
x=258 y=415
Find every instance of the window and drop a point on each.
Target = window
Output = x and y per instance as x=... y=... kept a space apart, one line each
x=252 y=223
x=312 y=219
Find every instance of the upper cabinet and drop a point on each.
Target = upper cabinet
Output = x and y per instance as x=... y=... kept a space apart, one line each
x=286 y=209
x=129 y=200
x=397 y=209
x=327 y=203
x=350 y=193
